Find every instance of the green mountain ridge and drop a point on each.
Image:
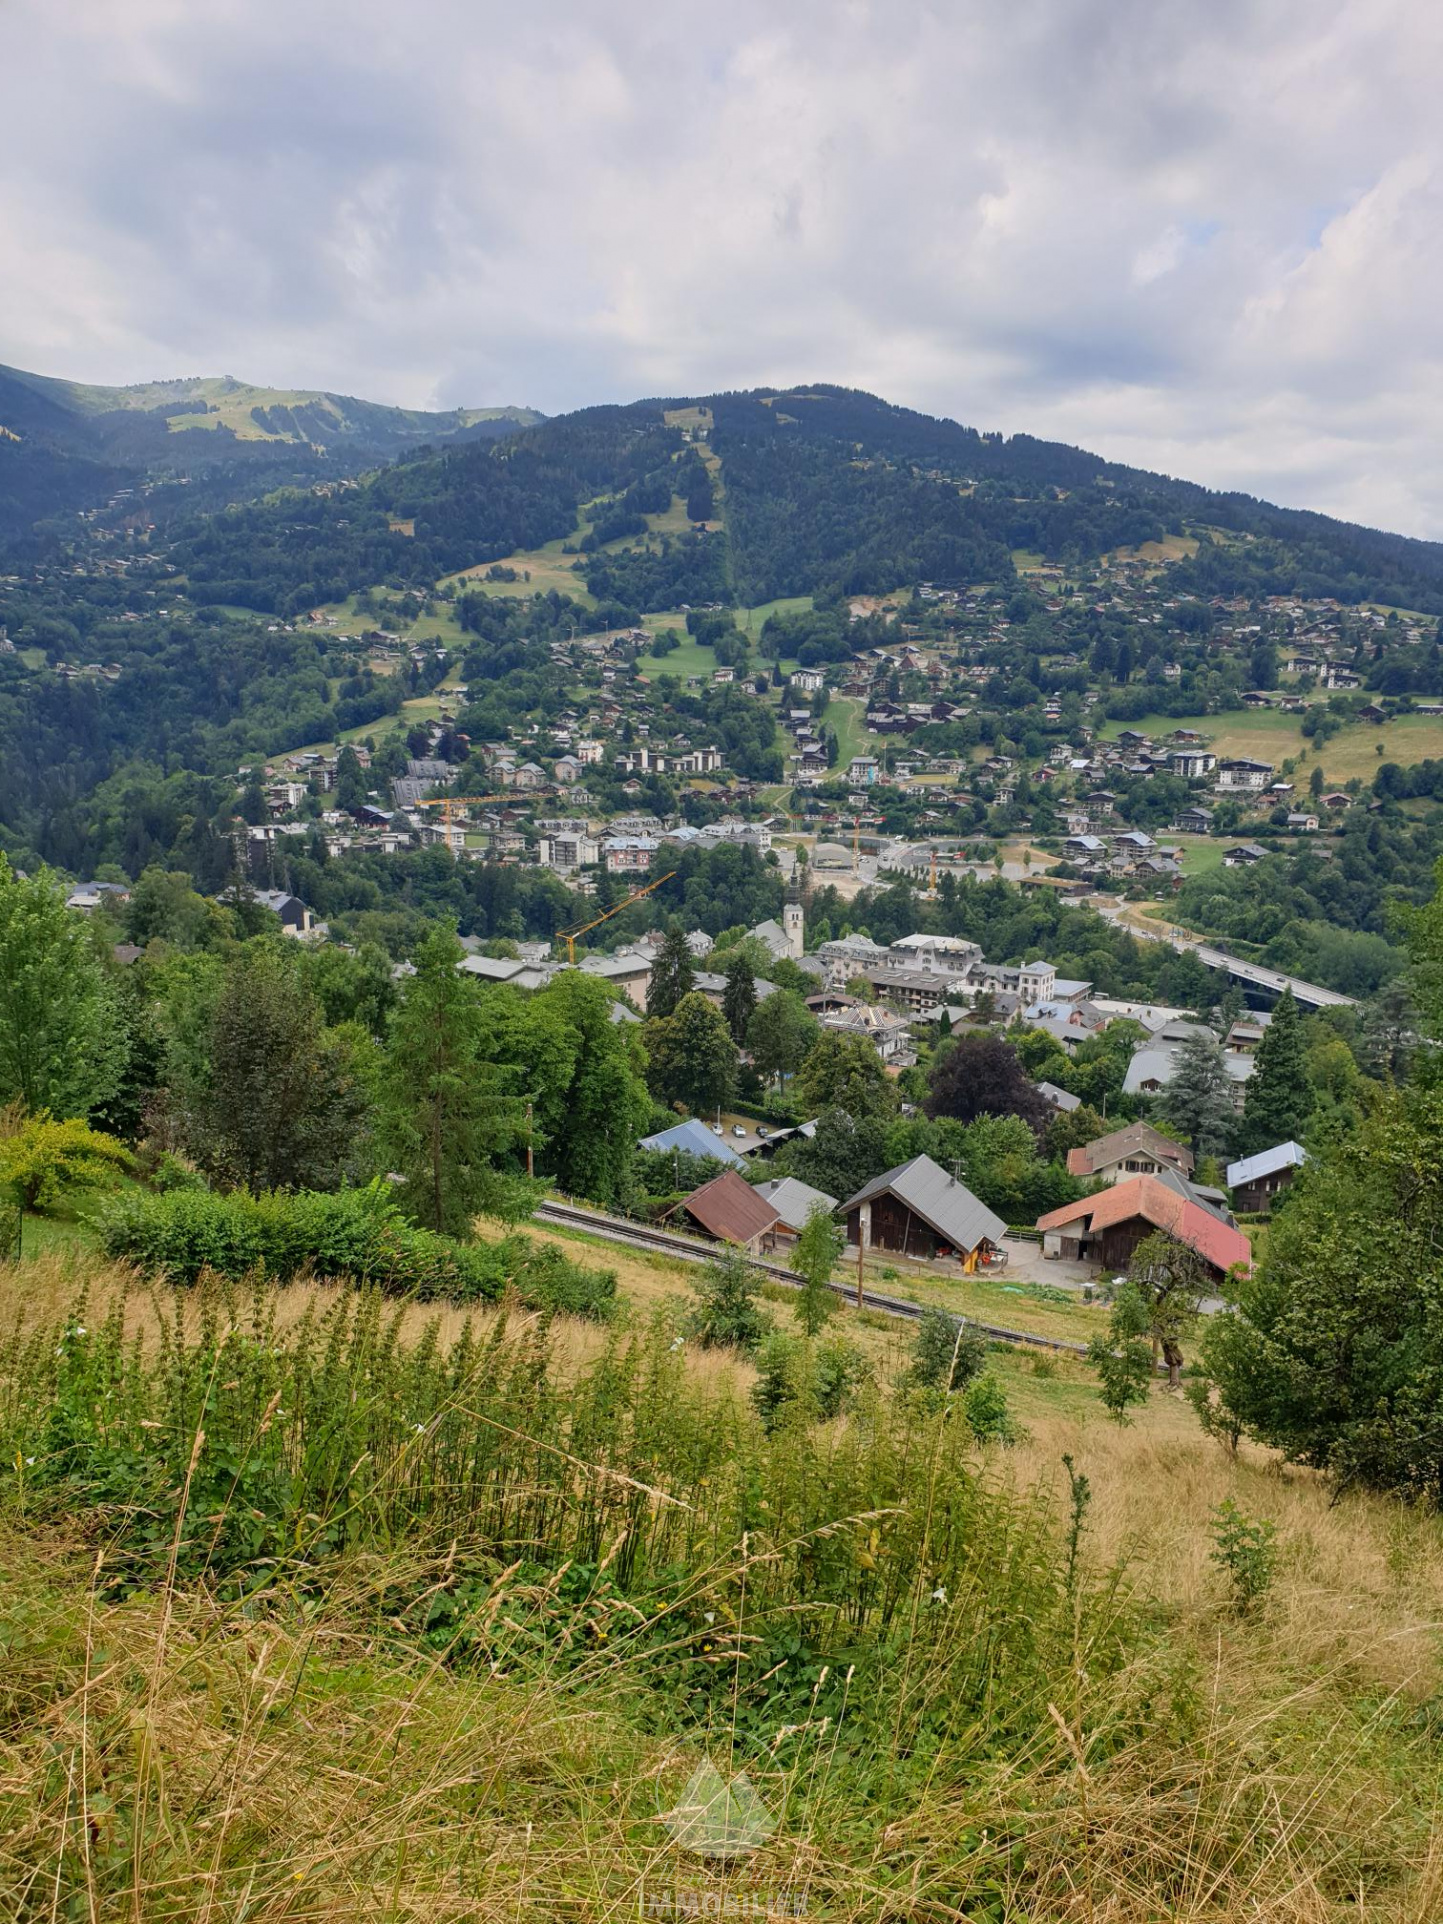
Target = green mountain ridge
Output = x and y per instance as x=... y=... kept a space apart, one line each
x=313 y=415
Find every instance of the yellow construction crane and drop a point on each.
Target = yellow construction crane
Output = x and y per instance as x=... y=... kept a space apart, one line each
x=569 y=936
x=448 y=802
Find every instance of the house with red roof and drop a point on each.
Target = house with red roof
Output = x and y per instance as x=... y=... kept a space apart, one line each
x=1107 y=1228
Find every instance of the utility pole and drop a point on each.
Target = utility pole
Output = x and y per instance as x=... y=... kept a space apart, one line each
x=861 y=1271
x=530 y=1158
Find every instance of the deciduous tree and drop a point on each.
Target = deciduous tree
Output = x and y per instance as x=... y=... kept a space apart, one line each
x=693 y=1059
x=60 y=1047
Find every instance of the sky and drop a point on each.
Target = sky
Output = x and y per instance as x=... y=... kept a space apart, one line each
x=1203 y=236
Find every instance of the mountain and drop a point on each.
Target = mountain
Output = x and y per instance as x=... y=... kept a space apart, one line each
x=66 y=446
x=817 y=491
x=133 y=423
x=814 y=490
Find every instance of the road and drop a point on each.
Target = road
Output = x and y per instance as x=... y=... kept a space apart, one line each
x=1246 y=974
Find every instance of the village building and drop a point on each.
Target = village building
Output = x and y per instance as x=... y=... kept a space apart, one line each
x=918 y=1209
x=729 y=1210
x=1107 y=1228
x=1256 y=1180
x=1137 y=1150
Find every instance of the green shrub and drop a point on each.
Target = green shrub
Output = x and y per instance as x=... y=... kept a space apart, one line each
x=984 y=1404
x=357 y=1236
x=1246 y=1551
x=946 y=1355
x=726 y=1314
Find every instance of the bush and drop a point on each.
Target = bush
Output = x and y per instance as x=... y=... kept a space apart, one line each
x=947 y=1355
x=984 y=1404
x=726 y=1314
x=356 y=1236
x=792 y=1371
x=1246 y=1551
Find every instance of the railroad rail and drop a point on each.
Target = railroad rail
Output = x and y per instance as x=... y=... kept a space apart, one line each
x=691 y=1249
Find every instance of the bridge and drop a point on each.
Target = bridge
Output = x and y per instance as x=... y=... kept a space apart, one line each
x=1270 y=982
x=1251 y=977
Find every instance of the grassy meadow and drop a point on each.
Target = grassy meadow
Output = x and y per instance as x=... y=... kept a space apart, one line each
x=319 y=1607
x=1264 y=735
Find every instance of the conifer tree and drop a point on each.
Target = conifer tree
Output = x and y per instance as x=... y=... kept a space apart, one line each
x=673 y=975
x=1199 y=1099
x=739 y=1002
x=1280 y=1096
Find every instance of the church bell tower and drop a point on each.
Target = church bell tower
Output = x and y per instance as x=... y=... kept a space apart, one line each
x=792 y=923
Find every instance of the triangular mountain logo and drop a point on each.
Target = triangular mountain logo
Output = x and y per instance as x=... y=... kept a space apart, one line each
x=719 y=1819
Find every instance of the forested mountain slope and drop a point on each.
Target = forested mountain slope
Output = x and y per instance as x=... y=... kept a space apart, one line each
x=825 y=492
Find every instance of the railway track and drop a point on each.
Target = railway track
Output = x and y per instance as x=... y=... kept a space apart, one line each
x=690 y=1249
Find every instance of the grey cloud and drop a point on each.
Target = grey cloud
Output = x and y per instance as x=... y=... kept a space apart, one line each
x=1201 y=237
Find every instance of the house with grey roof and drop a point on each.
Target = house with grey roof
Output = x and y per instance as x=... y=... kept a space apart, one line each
x=1256 y=1180
x=918 y=1209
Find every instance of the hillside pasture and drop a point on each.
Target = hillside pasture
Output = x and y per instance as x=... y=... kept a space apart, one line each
x=1267 y=735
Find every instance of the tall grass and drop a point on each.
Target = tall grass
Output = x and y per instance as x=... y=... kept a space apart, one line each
x=381 y=1617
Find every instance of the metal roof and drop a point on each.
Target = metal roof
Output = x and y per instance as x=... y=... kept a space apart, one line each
x=943 y=1203
x=794 y=1201
x=694 y=1138
x=1267 y=1162
x=730 y=1209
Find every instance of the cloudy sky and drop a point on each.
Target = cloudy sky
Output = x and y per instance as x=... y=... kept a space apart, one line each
x=1203 y=236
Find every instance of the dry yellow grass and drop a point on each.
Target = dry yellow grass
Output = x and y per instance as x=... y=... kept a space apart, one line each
x=300 y=1761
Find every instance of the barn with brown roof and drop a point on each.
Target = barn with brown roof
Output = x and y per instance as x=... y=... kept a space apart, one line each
x=731 y=1211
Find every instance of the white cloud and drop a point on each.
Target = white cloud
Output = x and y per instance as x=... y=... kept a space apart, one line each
x=1199 y=237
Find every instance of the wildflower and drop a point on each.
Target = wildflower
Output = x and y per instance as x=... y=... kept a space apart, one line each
x=420 y=1429
x=80 y=1329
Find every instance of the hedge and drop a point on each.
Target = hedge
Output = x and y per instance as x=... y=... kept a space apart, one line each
x=357 y=1236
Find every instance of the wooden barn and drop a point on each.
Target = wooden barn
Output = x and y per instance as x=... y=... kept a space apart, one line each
x=919 y=1210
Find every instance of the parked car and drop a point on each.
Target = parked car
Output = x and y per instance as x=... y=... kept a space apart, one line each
x=737 y=1129
x=716 y=1129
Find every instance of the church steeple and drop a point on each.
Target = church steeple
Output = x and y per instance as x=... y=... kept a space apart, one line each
x=793 y=919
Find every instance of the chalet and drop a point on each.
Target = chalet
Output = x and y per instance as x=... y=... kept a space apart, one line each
x=1107 y=1228
x=728 y=1210
x=296 y=918
x=1242 y=773
x=1243 y=856
x=919 y=1210
x=1084 y=848
x=1256 y=1180
x=1195 y=821
x=1299 y=823
x=1137 y=1150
